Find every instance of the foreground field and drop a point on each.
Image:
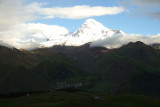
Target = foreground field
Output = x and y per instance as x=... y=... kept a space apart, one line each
x=79 y=99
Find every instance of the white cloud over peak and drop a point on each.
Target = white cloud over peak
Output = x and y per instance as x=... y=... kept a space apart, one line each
x=75 y=12
x=78 y=12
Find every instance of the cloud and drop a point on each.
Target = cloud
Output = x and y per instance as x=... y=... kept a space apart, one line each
x=154 y=15
x=15 y=32
x=8 y=14
x=147 y=2
x=119 y=40
x=76 y=12
x=140 y=2
x=11 y=13
x=147 y=8
x=31 y=35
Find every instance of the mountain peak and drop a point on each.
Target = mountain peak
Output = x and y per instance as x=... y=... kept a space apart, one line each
x=90 y=31
x=90 y=28
x=137 y=43
x=92 y=24
x=88 y=21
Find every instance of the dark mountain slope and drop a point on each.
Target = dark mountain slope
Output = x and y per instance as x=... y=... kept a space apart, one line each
x=155 y=45
x=15 y=57
x=16 y=71
x=53 y=71
x=113 y=71
x=131 y=69
x=21 y=80
x=141 y=52
x=23 y=71
x=83 y=55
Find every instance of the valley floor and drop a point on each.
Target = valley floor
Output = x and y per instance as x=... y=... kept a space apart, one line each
x=79 y=99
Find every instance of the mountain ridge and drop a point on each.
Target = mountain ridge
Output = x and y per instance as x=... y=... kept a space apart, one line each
x=125 y=70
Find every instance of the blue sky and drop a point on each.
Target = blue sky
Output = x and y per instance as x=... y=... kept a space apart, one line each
x=128 y=21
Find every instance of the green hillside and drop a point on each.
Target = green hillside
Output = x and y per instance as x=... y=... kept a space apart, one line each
x=79 y=99
x=21 y=80
x=131 y=69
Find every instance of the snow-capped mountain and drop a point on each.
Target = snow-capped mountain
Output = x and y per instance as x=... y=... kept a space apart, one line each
x=94 y=29
x=90 y=31
x=90 y=27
